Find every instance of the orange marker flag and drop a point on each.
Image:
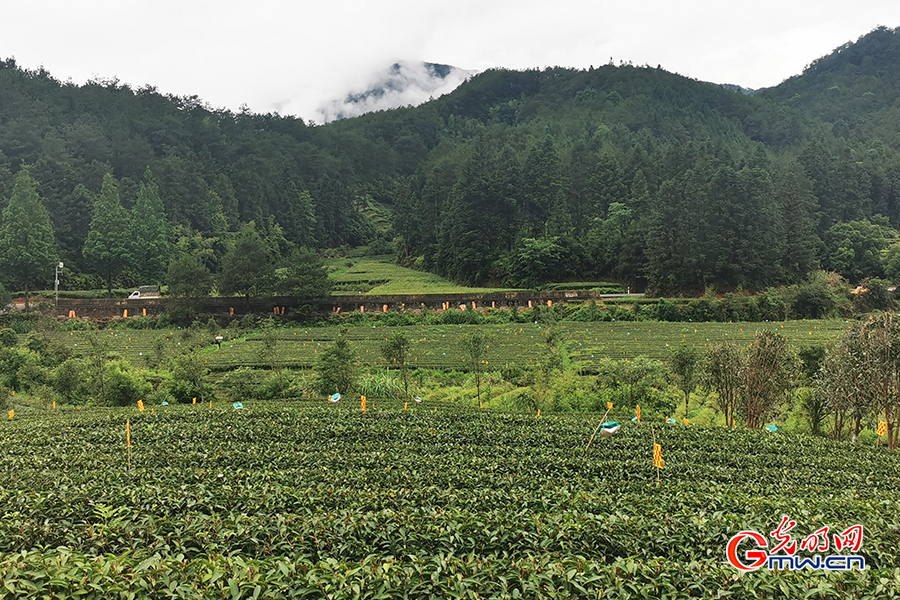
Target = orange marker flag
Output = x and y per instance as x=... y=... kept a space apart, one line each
x=609 y=406
x=657 y=456
x=882 y=428
x=128 y=434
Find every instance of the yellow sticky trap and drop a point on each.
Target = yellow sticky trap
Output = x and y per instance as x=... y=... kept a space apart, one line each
x=128 y=434
x=12 y=413
x=609 y=405
x=194 y=401
x=404 y=405
x=539 y=412
x=363 y=403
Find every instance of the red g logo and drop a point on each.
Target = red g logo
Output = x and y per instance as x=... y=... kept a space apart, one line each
x=757 y=556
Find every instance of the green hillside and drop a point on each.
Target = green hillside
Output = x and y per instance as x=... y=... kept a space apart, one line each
x=515 y=179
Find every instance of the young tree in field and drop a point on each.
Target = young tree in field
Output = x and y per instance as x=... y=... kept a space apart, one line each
x=685 y=363
x=268 y=350
x=474 y=346
x=769 y=374
x=109 y=246
x=724 y=373
x=812 y=359
x=247 y=267
x=98 y=355
x=395 y=351
x=152 y=233
x=28 y=252
x=835 y=384
x=337 y=368
x=547 y=367
x=882 y=334
x=189 y=373
x=870 y=360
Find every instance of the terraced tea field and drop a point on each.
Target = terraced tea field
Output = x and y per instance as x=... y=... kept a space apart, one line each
x=437 y=346
x=324 y=501
x=382 y=275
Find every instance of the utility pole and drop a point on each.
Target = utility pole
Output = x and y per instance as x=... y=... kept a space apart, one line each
x=59 y=270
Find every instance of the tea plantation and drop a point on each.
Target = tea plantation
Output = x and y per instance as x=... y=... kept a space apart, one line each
x=317 y=500
x=437 y=346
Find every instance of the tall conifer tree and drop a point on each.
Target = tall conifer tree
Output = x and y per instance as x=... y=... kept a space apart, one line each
x=109 y=247
x=28 y=251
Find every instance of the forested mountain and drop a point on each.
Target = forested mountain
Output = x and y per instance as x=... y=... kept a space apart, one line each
x=520 y=177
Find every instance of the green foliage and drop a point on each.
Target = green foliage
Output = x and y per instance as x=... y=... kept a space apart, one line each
x=395 y=350
x=474 y=347
x=109 y=247
x=413 y=519
x=337 y=369
x=304 y=277
x=28 y=252
x=815 y=298
x=247 y=267
x=685 y=365
x=68 y=381
x=153 y=235
x=189 y=379
x=8 y=338
x=854 y=248
x=124 y=384
x=188 y=276
x=769 y=372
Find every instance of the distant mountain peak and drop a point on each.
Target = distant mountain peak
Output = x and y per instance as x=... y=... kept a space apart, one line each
x=405 y=83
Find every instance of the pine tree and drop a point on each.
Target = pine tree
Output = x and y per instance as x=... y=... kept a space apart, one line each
x=109 y=246
x=152 y=232
x=28 y=250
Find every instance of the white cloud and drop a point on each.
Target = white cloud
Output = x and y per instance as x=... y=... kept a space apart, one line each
x=406 y=83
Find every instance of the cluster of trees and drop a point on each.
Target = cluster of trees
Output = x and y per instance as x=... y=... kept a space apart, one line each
x=858 y=379
x=517 y=177
x=44 y=368
x=140 y=245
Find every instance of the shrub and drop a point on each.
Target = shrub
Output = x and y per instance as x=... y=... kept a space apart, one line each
x=8 y=338
x=124 y=384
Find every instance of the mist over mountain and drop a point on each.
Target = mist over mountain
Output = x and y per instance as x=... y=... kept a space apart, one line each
x=405 y=83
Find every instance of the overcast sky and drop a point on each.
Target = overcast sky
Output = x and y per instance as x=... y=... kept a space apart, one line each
x=294 y=57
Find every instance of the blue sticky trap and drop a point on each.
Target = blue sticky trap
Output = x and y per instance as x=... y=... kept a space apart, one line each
x=238 y=405
x=417 y=399
x=608 y=424
x=335 y=397
x=165 y=403
x=771 y=427
x=633 y=419
x=670 y=420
